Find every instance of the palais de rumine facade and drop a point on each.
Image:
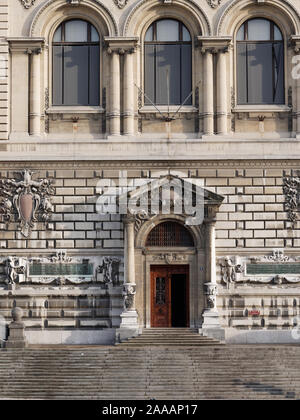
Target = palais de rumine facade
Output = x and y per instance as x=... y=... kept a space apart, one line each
x=106 y=98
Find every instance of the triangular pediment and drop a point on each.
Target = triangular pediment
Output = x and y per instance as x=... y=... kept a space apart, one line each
x=174 y=191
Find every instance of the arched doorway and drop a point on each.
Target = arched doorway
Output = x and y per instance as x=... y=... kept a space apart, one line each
x=169 y=282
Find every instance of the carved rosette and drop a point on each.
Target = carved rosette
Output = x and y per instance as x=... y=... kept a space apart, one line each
x=129 y=292
x=27 y=198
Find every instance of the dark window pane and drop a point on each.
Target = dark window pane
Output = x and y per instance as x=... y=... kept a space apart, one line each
x=57 y=35
x=242 y=74
x=260 y=80
x=57 y=75
x=186 y=71
x=150 y=73
x=76 y=75
x=94 y=75
x=168 y=69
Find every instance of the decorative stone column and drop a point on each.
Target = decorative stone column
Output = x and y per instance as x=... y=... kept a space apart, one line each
x=115 y=111
x=211 y=324
x=208 y=92
x=129 y=319
x=222 y=92
x=16 y=338
x=35 y=92
x=128 y=92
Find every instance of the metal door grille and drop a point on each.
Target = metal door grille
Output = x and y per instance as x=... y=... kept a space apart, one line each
x=169 y=234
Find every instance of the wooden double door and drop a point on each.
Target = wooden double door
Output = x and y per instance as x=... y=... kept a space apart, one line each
x=170 y=296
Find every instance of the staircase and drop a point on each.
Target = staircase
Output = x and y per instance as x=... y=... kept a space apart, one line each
x=128 y=373
x=170 y=337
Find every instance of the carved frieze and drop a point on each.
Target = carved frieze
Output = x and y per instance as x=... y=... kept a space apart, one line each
x=27 y=198
x=274 y=269
x=59 y=270
x=170 y=258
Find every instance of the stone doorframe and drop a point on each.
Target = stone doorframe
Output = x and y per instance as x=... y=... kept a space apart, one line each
x=138 y=258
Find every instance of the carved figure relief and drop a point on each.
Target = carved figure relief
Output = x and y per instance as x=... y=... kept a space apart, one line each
x=229 y=270
x=28 y=198
x=129 y=291
x=14 y=268
x=110 y=269
x=211 y=295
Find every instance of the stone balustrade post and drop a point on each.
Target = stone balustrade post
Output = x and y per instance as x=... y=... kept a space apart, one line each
x=16 y=338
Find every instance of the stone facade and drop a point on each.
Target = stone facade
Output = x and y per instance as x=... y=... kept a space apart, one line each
x=247 y=155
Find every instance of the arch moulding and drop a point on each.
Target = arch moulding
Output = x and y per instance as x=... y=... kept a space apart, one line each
x=147 y=11
x=57 y=10
x=281 y=12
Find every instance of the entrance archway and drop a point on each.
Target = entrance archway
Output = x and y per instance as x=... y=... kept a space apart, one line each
x=169 y=283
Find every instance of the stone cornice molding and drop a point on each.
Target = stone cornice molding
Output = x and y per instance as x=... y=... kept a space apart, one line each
x=121 y=45
x=214 y=44
x=32 y=45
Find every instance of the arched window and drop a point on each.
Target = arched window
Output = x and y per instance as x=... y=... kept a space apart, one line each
x=260 y=63
x=169 y=234
x=76 y=48
x=168 y=63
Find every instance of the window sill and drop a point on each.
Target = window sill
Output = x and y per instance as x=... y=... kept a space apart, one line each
x=149 y=109
x=75 y=110
x=262 y=108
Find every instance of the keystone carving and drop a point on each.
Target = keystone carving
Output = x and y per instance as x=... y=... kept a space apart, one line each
x=121 y=3
x=214 y=3
x=27 y=198
x=27 y=3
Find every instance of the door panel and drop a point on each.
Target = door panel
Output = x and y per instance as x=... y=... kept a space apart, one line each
x=169 y=296
x=160 y=311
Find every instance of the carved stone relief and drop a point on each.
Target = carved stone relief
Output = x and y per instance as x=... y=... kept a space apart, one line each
x=214 y=3
x=27 y=198
x=170 y=258
x=211 y=295
x=121 y=3
x=129 y=291
x=27 y=3
x=275 y=269
x=60 y=270
x=291 y=188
